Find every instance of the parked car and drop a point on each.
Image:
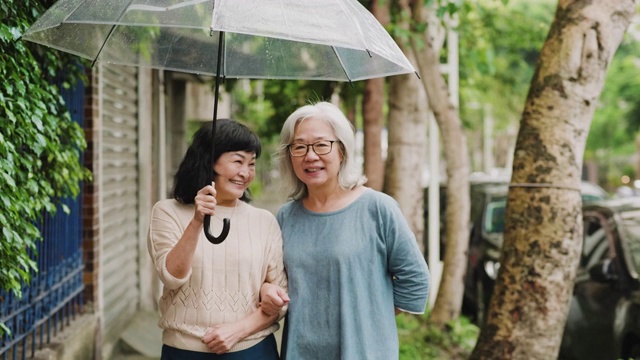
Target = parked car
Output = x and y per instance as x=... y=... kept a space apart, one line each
x=488 y=204
x=604 y=316
x=479 y=191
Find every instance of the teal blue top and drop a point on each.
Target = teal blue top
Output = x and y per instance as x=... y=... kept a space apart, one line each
x=348 y=270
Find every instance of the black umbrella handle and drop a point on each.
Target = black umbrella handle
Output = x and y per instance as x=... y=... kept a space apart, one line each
x=226 y=225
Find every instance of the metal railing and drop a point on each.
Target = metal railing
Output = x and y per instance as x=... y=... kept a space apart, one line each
x=54 y=296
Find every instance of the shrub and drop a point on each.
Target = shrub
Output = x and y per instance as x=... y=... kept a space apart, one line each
x=421 y=340
x=40 y=145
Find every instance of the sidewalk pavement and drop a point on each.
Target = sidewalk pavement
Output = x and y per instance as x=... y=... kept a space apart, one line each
x=142 y=340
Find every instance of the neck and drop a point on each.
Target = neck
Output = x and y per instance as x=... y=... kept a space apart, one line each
x=325 y=197
x=229 y=203
x=324 y=201
x=227 y=209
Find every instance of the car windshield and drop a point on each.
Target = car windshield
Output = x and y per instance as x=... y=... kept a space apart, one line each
x=631 y=226
x=591 y=197
x=494 y=216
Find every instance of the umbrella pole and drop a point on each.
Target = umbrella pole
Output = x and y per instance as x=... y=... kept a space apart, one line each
x=226 y=223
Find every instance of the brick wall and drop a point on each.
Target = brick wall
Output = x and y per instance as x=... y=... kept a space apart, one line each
x=91 y=204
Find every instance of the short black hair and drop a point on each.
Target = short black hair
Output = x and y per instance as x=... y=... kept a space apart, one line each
x=196 y=168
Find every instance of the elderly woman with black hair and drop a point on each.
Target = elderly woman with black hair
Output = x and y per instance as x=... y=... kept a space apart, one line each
x=351 y=258
x=210 y=306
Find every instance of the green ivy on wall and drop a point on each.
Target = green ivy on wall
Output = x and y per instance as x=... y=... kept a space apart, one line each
x=40 y=145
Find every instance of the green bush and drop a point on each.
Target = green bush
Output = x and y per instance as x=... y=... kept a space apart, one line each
x=421 y=340
x=40 y=145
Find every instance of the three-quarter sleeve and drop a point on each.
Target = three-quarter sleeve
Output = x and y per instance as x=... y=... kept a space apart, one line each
x=411 y=278
x=275 y=268
x=164 y=233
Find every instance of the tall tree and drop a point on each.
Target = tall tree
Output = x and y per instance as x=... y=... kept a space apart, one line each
x=426 y=46
x=373 y=113
x=406 y=145
x=543 y=226
x=499 y=46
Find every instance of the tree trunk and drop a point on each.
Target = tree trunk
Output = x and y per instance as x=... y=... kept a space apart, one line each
x=406 y=149
x=407 y=129
x=373 y=115
x=543 y=225
x=427 y=52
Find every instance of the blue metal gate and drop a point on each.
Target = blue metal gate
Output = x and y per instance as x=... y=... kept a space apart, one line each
x=54 y=296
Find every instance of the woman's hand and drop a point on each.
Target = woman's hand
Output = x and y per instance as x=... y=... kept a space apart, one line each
x=272 y=298
x=205 y=202
x=180 y=258
x=222 y=338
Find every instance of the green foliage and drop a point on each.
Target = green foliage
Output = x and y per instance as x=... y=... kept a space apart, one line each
x=499 y=47
x=39 y=143
x=449 y=8
x=267 y=103
x=419 y=339
x=616 y=120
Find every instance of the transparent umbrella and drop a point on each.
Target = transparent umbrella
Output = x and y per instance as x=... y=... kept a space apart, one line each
x=334 y=40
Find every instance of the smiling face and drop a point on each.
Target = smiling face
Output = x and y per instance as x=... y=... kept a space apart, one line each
x=316 y=171
x=235 y=171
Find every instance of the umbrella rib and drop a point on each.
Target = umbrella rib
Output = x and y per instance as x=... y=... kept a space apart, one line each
x=73 y=12
x=165 y=8
x=223 y=55
x=335 y=51
x=113 y=27
x=357 y=26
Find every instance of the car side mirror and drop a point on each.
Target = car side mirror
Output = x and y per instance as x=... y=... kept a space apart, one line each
x=604 y=271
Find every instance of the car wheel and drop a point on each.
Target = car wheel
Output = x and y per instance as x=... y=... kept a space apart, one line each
x=633 y=351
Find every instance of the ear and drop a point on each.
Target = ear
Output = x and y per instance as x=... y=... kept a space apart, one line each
x=342 y=151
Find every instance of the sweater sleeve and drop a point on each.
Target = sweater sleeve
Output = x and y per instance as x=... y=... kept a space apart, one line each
x=275 y=269
x=164 y=233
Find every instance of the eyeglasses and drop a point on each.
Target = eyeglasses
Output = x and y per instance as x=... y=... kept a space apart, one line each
x=322 y=147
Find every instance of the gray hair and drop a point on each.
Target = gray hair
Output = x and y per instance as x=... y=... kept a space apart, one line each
x=349 y=175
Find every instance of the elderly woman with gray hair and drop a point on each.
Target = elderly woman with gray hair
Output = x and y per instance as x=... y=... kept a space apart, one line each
x=352 y=261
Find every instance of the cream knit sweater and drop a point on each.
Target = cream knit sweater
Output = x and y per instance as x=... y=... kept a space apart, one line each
x=224 y=283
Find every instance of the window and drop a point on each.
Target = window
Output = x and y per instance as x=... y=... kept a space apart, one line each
x=630 y=231
x=595 y=247
x=494 y=216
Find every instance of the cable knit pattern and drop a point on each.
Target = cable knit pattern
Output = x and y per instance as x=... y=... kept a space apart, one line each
x=224 y=283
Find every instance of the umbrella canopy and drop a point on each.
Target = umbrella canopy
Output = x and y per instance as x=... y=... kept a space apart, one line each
x=337 y=40
x=264 y=39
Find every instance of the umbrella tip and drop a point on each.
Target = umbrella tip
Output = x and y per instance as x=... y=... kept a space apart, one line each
x=418 y=75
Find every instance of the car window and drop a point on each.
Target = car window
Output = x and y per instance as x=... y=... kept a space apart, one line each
x=595 y=247
x=494 y=216
x=590 y=197
x=631 y=229
x=591 y=192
